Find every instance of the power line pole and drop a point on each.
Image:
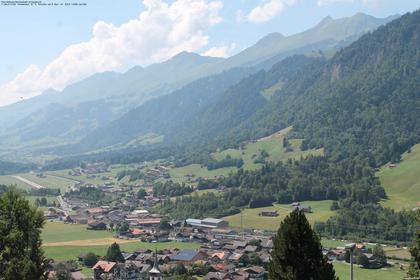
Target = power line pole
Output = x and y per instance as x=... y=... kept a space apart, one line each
x=242 y=226
x=350 y=248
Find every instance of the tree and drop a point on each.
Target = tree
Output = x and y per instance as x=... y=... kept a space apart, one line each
x=362 y=259
x=21 y=256
x=123 y=227
x=180 y=270
x=379 y=254
x=164 y=224
x=114 y=253
x=90 y=259
x=414 y=270
x=62 y=272
x=297 y=252
x=43 y=201
x=141 y=194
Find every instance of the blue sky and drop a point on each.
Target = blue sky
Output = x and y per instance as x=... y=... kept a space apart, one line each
x=46 y=47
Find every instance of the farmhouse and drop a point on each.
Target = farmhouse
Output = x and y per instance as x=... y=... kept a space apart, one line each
x=298 y=206
x=269 y=213
x=187 y=256
x=102 y=268
x=96 y=225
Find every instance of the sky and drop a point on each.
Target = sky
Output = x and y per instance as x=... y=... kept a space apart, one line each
x=52 y=46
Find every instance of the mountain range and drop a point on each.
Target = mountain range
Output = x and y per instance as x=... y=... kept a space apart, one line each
x=104 y=100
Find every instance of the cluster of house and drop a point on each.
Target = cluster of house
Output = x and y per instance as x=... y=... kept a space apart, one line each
x=157 y=172
x=90 y=168
x=224 y=260
x=340 y=254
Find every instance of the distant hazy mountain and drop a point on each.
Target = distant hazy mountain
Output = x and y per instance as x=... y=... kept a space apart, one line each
x=327 y=34
x=54 y=117
x=65 y=117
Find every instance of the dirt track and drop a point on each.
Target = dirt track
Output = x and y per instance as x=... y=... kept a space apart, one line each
x=89 y=242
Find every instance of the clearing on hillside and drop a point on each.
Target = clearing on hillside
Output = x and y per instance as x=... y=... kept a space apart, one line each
x=271 y=146
x=402 y=181
x=252 y=220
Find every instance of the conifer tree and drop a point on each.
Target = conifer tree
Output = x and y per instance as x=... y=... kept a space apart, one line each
x=114 y=253
x=297 y=252
x=414 y=270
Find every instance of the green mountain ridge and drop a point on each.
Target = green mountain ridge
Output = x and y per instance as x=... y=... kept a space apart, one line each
x=102 y=98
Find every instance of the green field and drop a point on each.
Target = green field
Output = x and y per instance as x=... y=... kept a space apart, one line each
x=402 y=183
x=251 y=219
x=60 y=232
x=61 y=253
x=9 y=181
x=342 y=270
x=179 y=174
x=273 y=145
x=47 y=181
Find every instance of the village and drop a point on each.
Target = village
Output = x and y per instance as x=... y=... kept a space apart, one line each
x=223 y=253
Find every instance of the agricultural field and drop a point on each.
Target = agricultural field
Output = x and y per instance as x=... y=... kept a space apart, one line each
x=48 y=181
x=8 y=180
x=179 y=174
x=251 y=219
x=402 y=183
x=97 y=178
x=388 y=273
x=60 y=253
x=61 y=232
x=65 y=241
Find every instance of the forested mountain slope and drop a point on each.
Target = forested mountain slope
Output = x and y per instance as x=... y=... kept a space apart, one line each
x=365 y=98
x=181 y=116
x=361 y=106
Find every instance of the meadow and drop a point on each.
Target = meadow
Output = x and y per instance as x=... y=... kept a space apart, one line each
x=60 y=253
x=48 y=181
x=60 y=232
x=66 y=241
x=272 y=144
x=251 y=219
x=388 y=273
x=402 y=183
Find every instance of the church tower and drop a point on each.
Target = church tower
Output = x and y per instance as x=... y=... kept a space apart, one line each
x=154 y=273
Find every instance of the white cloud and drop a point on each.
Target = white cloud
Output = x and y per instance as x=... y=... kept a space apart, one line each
x=222 y=51
x=268 y=10
x=161 y=31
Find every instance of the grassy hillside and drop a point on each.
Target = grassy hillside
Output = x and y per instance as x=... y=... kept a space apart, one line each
x=272 y=144
x=251 y=219
x=402 y=183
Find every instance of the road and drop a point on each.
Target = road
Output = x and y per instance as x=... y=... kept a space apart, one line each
x=30 y=183
x=63 y=205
